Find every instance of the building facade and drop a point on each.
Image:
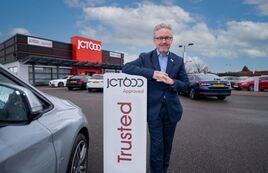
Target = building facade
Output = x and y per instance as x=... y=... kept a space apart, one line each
x=39 y=60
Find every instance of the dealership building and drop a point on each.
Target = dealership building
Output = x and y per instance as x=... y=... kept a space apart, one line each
x=39 y=60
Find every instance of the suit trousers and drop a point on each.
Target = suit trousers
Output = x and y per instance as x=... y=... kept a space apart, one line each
x=161 y=137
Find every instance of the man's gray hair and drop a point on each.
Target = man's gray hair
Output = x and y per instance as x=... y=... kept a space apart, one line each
x=161 y=26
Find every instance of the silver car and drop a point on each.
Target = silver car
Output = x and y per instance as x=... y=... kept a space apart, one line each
x=38 y=132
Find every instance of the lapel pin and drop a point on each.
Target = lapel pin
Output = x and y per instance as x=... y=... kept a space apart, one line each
x=171 y=60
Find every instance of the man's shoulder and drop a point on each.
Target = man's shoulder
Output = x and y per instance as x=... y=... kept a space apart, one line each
x=175 y=56
x=147 y=54
x=153 y=52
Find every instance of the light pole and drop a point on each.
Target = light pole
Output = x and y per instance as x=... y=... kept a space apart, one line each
x=184 y=48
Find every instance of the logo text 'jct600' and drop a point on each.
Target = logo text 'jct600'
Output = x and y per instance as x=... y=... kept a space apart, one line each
x=125 y=82
x=88 y=45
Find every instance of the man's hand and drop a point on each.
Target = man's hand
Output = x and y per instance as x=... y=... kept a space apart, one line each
x=168 y=80
x=160 y=76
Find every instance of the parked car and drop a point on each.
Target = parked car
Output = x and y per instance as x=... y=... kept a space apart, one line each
x=238 y=84
x=248 y=84
x=59 y=82
x=231 y=79
x=95 y=82
x=38 y=132
x=208 y=85
x=77 y=82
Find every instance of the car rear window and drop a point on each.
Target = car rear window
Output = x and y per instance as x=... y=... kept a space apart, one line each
x=97 y=77
x=77 y=77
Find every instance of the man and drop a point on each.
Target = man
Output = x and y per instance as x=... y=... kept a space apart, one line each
x=166 y=76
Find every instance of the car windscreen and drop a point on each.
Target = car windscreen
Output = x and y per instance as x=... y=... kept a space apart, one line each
x=263 y=78
x=231 y=78
x=243 y=78
x=208 y=77
x=249 y=79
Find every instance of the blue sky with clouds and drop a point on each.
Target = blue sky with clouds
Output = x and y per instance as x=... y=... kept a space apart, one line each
x=226 y=34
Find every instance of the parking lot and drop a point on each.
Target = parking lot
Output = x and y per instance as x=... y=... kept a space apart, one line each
x=213 y=136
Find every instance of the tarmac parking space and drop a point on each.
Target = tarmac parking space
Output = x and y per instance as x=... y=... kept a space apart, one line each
x=213 y=136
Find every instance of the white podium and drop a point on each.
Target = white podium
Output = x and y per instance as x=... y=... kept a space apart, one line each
x=125 y=123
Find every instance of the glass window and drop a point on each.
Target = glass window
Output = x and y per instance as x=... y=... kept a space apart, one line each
x=12 y=106
x=263 y=78
x=77 y=77
x=97 y=77
x=44 y=74
x=4 y=79
x=208 y=77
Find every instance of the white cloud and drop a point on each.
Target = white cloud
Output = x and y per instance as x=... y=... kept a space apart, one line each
x=254 y=52
x=245 y=35
x=130 y=29
x=19 y=31
x=239 y=39
x=262 y=5
x=247 y=30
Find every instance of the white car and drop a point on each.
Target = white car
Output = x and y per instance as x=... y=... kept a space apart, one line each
x=59 y=82
x=95 y=82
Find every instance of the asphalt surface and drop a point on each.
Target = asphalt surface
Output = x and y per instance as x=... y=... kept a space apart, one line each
x=229 y=136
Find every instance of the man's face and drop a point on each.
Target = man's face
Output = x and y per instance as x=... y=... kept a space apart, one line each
x=163 y=40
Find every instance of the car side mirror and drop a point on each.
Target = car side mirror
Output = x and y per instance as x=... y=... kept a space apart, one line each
x=18 y=105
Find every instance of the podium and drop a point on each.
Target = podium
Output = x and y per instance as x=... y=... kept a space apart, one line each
x=124 y=123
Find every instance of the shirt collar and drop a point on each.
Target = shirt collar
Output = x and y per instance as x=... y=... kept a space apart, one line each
x=158 y=53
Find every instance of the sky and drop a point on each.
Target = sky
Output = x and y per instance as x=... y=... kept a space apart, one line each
x=226 y=34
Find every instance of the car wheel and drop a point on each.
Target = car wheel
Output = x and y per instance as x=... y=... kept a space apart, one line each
x=79 y=156
x=69 y=88
x=221 y=97
x=251 y=88
x=193 y=94
x=89 y=90
x=60 y=84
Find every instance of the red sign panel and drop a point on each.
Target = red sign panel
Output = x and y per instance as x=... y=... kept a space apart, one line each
x=84 y=49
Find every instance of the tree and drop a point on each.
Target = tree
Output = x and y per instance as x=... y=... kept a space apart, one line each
x=196 y=65
x=245 y=68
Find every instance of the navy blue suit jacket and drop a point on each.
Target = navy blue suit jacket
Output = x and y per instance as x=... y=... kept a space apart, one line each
x=145 y=66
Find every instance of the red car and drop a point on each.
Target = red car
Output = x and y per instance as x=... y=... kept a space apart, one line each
x=248 y=84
